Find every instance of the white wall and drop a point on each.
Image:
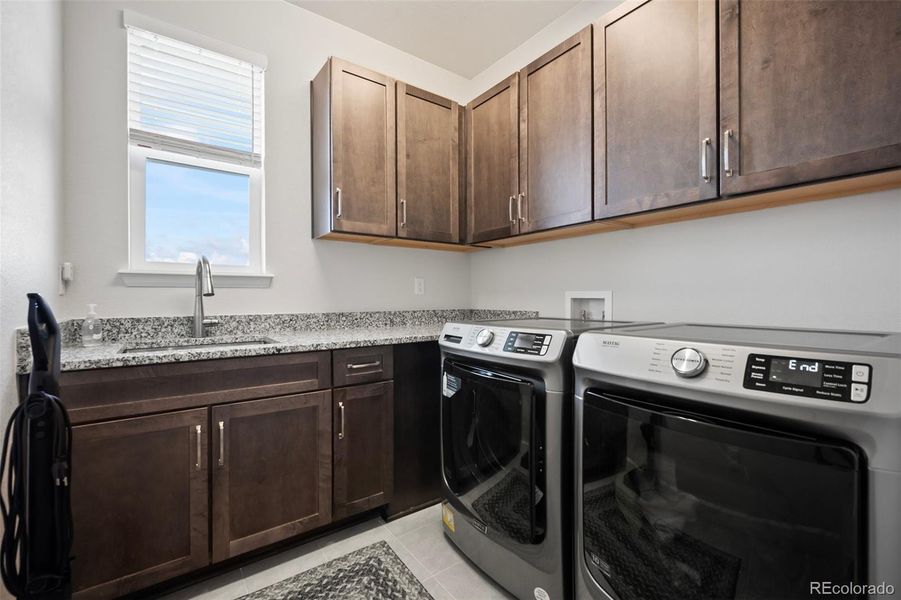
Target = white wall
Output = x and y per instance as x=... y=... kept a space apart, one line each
x=833 y=264
x=309 y=276
x=30 y=167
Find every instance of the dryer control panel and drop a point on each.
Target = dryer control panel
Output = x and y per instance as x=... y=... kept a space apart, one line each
x=814 y=378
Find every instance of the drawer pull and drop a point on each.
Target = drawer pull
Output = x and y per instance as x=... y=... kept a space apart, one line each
x=341 y=411
x=364 y=365
x=221 y=443
x=199 y=430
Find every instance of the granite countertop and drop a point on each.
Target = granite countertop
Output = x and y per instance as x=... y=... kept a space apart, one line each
x=283 y=334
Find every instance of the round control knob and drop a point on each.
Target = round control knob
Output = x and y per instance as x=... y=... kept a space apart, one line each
x=688 y=362
x=485 y=337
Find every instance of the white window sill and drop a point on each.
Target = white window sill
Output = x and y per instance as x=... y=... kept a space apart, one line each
x=163 y=279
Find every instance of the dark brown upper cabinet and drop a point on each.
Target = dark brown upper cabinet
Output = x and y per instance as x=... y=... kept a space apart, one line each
x=492 y=159
x=555 y=137
x=428 y=165
x=655 y=128
x=808 y=90
x=364 y=447
x=353 y=148
x=140 y=502
x=271 y=471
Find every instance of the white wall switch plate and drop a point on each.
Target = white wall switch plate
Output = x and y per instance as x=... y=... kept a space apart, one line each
x=418 y=286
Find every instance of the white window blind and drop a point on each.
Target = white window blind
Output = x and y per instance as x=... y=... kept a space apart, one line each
x=186 y=99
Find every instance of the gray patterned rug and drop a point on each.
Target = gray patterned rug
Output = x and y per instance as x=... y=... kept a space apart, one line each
x=371 y=572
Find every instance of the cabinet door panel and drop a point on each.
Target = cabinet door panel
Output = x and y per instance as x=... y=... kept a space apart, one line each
x=139 y=502
x=364 y=447
x=493 y=161
x=809 y=90
x=271 y=471
x=363 y=150
x=428 y=175
x=555 y=136
x=655 y=104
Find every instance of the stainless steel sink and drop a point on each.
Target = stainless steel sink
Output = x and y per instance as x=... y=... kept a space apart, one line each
x=193 y=344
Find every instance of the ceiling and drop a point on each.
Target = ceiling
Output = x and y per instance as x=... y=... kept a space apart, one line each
x=463 y=36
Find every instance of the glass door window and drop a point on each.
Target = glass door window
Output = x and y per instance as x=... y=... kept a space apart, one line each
x=492 y=428
x=677 y=505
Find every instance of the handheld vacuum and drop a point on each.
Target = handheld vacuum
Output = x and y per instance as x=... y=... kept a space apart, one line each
x=35 y=553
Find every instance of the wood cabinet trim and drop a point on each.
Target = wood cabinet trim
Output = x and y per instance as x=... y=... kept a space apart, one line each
x=344 y=505
x=224 y=545
x=509 y=228
x=81 y=387
x=730 y=106
x=198 y=555
x=580 y=42
x=389 y=226
x=405 y=229
x=707 y=121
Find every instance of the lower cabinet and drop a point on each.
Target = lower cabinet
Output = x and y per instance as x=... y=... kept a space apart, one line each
x=364 y=447
x=140 y=500
x=271 y=470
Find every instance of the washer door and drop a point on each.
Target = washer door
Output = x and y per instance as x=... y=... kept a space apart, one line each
x=676 y=505
x=492 y=426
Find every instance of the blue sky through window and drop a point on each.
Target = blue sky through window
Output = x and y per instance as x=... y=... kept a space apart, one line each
x=192 y=211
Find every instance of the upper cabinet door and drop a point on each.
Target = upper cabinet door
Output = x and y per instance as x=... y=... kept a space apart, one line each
x=428 y=166
x=363 y=150
x=555 y=137
x=808 y=90
x=493 y=162
x=655 y=106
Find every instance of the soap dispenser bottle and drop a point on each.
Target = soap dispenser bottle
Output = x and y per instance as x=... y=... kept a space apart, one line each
x=91 y=328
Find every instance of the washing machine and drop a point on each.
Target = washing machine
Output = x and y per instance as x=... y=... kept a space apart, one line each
x=737 y=463
x=506 y=441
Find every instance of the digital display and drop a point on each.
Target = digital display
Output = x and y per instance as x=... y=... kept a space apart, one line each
x=795 y=371
x=524 y=341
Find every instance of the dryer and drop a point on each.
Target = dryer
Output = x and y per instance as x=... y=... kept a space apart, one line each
x=737 y=463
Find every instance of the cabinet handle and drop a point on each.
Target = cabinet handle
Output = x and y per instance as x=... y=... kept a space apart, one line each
x=403 y=212
x=727 y=168
x=510 y=210
x=363 y=365
x=338 y=200
x=519 y=206
x=221 y=443
x=199 y=430
x=705 y=174
x=341 y=410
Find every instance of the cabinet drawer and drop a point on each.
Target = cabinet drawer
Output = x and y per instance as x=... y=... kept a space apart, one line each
x=362 y=365
x=129 y=391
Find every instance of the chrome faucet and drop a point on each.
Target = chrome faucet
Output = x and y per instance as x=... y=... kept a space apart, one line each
x=203 y=286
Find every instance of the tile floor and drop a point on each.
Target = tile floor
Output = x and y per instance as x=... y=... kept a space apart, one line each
x=417 y=539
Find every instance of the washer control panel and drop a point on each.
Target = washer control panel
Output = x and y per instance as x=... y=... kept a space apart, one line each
x=490 y=338
x=520 y=342
x=814 y=378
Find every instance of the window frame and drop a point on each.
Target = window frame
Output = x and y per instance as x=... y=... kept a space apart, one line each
x=137 y=211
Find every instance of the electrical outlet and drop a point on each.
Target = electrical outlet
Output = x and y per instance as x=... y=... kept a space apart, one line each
x=418 y=286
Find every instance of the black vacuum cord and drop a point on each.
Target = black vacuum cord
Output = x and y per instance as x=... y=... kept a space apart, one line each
x=13 y=548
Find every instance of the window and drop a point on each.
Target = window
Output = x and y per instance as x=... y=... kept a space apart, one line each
x=195 y=128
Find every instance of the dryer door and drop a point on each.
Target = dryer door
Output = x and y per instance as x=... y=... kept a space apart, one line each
x=681 y=505
x=492 y=426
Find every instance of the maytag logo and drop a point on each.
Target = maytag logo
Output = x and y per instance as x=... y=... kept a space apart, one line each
x=610 y=343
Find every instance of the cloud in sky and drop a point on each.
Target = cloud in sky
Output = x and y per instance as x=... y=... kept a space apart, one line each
x=192 y=211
